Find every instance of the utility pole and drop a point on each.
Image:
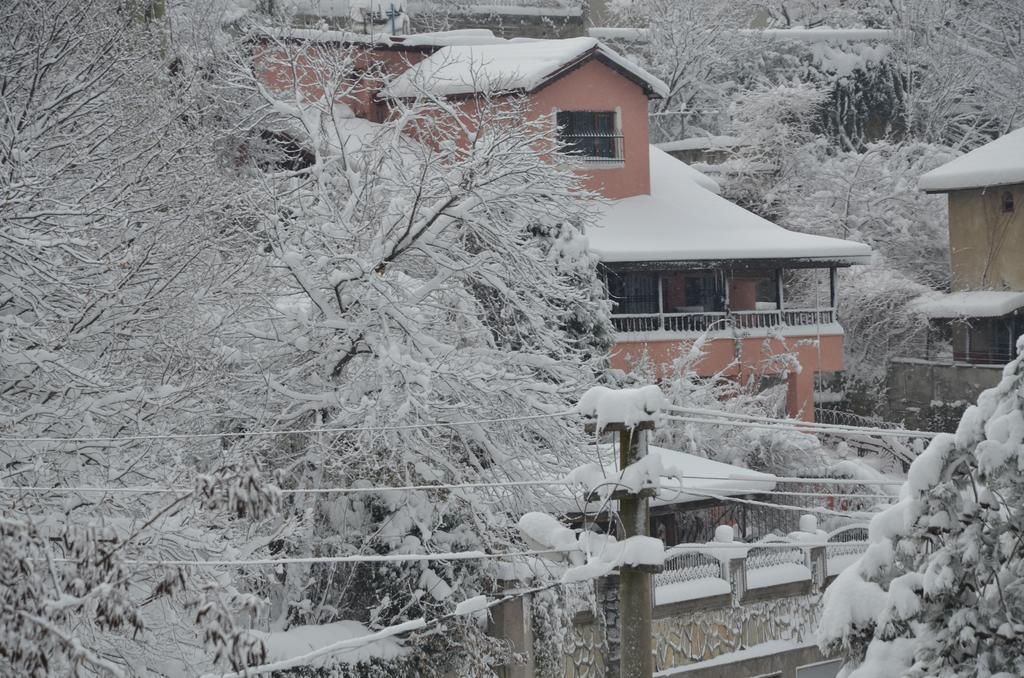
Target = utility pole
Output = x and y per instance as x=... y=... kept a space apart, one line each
x=635 y=595
x=635 y=591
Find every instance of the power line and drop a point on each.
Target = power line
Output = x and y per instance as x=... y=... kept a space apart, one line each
x=313 y=560
x=312 y=490
x=281 y=432
x=795 y=479
x=782 y=425
x=460 y=555
x=824 y=495
x=35 y=489
x=903 y=433
x=784 y=507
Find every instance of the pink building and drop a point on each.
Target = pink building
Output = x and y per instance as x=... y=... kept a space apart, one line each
x=680 y=262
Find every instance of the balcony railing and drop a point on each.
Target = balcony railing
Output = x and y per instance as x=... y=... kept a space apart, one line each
x=630 y=323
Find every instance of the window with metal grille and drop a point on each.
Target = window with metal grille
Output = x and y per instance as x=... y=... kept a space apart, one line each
x=634 y=293
x=590 y=135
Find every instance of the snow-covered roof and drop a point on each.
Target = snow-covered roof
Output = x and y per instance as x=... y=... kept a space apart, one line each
x=973 y=304
x=997 y=163
x=713 y=141
x=719 y=479
x=682 y=221
x=507 y=65
x=427 y=41
x=796 y=34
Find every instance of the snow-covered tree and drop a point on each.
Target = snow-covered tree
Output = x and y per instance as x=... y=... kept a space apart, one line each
x=417 y=274
x=115 y=219
x=965 y=67
x=696 y=49
x=939 y=590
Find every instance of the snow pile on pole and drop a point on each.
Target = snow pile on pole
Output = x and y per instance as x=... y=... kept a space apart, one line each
x=628 y=406
x=588 y=553
x=606 y=554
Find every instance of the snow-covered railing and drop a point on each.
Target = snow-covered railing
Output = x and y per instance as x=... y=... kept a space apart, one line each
x=808 y=316
x=840 y=553
x=686 y=567
x=771 y=566
x=701 y=322
x=693 y=322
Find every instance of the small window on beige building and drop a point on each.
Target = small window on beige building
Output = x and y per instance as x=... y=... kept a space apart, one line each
x=1007 y=201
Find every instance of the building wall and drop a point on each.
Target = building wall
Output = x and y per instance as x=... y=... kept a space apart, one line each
x=312 y=68
x=748 y=358
x=986 y=244
x=596 y=87
x=919 y=391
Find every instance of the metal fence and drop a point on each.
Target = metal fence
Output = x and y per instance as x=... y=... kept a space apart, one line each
x=701 y=322
x=839 y=541
x=760 y=557
x=689 y=566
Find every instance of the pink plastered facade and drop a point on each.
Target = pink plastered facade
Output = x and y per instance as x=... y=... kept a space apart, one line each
x=594 y=86
x=746 y=360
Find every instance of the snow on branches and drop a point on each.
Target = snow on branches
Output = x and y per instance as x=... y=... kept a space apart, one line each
x=938 y=591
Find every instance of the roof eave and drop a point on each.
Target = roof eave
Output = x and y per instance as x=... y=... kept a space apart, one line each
x=744 y=262
x=976 y=187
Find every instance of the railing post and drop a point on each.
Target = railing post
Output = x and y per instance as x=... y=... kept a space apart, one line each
x=661 y=304
x=817 y=564
x=512 y=621
x=738 y=579
x=608 y=602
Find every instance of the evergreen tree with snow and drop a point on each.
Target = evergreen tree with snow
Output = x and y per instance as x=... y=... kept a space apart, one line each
x=940 y=589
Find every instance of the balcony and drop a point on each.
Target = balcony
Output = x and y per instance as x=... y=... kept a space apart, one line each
x=682 y=323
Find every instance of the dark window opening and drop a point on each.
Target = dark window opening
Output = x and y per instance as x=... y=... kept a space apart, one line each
x=591 y=135
x=1007 y=201
x=634 y=293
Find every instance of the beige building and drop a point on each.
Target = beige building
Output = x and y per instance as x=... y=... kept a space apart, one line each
x=974 y=328
x=985 y=189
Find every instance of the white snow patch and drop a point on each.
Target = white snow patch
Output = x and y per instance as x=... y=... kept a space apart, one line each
x=683 y=477
x=471 y=605
x=300 y=640
x=680 y=220
x=711 y=141
x=754 y=651
x=606 y=554
x=774 y=575
x=542 y=531
x=971 y=304
x=628 y=406
x=691 y=590
x=997 y=163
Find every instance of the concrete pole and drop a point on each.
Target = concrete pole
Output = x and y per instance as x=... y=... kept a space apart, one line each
x=635 y=596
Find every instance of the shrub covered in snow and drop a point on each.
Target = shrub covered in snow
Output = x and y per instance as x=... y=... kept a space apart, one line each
x=939 y=590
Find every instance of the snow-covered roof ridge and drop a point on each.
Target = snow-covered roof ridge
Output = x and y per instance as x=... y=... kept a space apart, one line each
x=464 y=36
x=997 y=163
x=795 y=33
x=510 y=65
x=969 y=304
x=682 y=221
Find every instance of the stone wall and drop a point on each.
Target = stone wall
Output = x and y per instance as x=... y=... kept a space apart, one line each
x=689 y=632
x=918 y=391
x=704 y=634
